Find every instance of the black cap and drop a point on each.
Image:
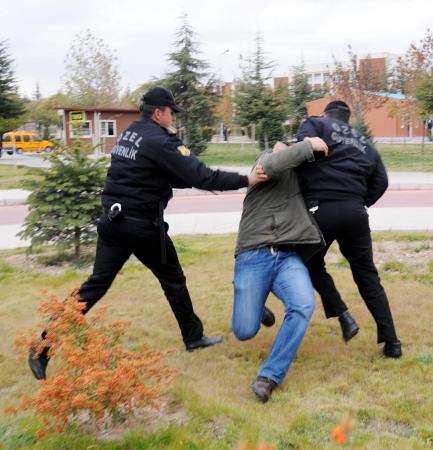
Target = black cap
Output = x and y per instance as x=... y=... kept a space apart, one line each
x=161 y=97
x=337 y=105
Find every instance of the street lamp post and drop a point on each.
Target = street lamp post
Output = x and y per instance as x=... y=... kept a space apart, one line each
x=221 y=85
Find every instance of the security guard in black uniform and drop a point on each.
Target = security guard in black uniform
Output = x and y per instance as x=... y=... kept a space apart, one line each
x=337 y=190
x=147 y=162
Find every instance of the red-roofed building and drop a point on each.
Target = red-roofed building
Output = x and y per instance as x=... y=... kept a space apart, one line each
x=97 y=126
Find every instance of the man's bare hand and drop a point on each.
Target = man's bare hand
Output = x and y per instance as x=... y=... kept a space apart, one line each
x=259 y=169
x=257 y=175
x=319 y=145
x=280 y=146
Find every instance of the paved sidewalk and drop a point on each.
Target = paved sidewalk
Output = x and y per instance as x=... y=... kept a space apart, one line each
x=402 y=218
x=10 y=197
x=397 y=181
x=381 y=219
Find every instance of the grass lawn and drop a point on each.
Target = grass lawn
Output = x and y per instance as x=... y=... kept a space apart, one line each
x=402 y=158
x=211 y=406
x=396 y=157
x=12 y=176
x=230 y=154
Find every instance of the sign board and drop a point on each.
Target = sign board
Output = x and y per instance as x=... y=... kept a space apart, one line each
x=77 y=117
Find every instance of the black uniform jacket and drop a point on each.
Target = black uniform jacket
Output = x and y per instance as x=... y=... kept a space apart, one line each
x=353 y=168
x=148 y=161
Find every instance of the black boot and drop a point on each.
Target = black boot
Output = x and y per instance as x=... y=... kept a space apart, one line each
x=203 y=342
x=392 y=349
x=38 y=365
x=268 y=318
x=348 y=326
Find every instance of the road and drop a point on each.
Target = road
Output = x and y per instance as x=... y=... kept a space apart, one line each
x=232 y=202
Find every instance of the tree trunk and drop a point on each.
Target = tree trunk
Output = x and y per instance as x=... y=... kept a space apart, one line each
x=77 y=236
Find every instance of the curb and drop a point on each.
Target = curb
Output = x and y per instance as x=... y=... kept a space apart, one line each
x=193 y=192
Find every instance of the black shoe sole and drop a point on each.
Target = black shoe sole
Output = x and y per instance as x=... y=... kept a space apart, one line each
x=352 y=334
x=269 y=318
x=198 y=347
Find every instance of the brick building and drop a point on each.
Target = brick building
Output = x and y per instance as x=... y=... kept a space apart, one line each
x=375 y=66
x=382 y=121
x=97 y=126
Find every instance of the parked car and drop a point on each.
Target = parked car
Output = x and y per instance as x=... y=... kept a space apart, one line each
x=24 y=141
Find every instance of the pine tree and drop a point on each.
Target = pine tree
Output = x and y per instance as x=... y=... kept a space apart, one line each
x=256 y=103
x=192 y=87
x=11 y=106
x=65 y=204
x=37 y=94
x=300 y=92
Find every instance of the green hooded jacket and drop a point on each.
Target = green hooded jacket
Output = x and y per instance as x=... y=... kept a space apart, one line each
x=274 y=212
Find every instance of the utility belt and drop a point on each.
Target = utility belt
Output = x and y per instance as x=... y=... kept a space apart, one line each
x=115 y=214
x=314 y=204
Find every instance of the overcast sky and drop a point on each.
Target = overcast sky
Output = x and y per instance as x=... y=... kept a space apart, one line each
x=39 y=33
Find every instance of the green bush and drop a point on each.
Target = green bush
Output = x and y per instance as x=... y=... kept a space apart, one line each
x=207 y=133
x=65 y=201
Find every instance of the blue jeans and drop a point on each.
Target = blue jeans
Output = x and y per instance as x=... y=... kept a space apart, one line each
x=257 y=273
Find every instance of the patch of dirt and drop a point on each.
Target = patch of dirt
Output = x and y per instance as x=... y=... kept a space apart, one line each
x=50 y=264
x=36 y=263
x=170 y=412
x=410 y=253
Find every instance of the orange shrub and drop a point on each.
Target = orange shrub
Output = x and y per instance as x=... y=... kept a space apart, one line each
x=95 y=377
x=340 y=434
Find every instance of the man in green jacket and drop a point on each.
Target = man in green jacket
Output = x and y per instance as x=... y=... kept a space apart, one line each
x=276 y=233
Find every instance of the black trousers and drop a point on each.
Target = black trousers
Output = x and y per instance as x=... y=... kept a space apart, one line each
x=347 y=223
x=116 y=242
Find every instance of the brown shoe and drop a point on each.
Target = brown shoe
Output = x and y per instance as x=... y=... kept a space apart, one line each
x=263 y=388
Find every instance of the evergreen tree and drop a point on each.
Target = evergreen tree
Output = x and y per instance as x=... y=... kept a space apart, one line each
x=300 y=92
x=92 y=77
x=65 y=204
x=192 y=87
x=256 y=103
x=11 y=106
x=43 y=112
x=37 y=94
